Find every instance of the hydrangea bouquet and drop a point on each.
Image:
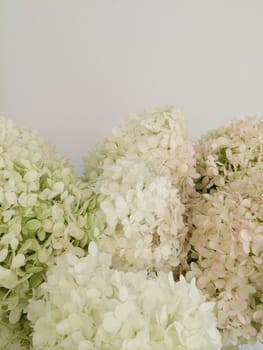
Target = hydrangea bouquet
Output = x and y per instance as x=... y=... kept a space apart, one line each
x=158 y=246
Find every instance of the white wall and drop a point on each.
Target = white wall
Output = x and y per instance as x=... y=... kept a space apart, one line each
x=74 y=68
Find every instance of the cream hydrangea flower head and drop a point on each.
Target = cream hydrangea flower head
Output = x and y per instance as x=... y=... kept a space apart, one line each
x=158 y=135
x=87 y=305
x=140 y=217
x=43 y=212
x=229 y=152
x=227 y=243
x=143 y=175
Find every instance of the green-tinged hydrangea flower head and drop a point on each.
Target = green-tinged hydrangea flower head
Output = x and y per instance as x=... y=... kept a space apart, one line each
x=229 y=152
x=142 y=174
x=11 y=335
x=43 y=212
x=88 y=305
x=227 y=244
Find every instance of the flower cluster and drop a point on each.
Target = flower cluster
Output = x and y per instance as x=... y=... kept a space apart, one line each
x=143 y=174
x=87 y=305
x=43 y=212
x=227 y=232
x=140 y=217
x=229 y=152
x=160 y=136
x=95 y=264
x=11 y=335
x=227 y=239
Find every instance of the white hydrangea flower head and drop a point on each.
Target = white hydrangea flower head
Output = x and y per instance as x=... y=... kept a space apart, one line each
x=88 y=305
x=227 y=153
x=43 y=212
x=139 y=220
x=158 y=135
x=143 y=176
x=227 y=245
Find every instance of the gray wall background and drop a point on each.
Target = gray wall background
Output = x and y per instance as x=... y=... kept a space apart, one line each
x=74 y=68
